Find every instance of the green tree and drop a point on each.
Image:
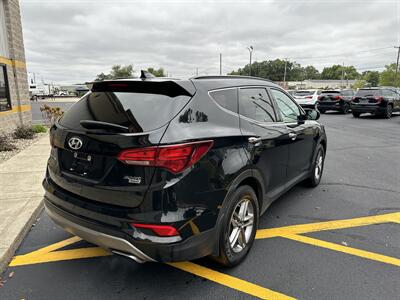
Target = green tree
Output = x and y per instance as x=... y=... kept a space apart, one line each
x=157 y=73
x=336 y=71
x=117 y=71
x=359 y=84
x=371 y=78
x=387 y=77
x=310 y=72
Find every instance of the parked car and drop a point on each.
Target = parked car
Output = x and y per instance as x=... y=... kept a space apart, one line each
x=338 y=100
x=381 y=101
x=170 y=170
x=306 y=98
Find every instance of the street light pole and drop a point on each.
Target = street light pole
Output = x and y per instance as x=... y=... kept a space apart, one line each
x=250 y=52
x=220 y=64
x=397 y=65
x=284 y=74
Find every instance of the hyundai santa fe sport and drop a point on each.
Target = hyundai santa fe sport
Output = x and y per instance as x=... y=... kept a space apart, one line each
x=168 y=170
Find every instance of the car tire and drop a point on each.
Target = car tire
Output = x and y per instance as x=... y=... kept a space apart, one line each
x=322 y=111
x=387 y=114
x=317 y=167
x=345 y=109
x=236 y=238
x=356 y=114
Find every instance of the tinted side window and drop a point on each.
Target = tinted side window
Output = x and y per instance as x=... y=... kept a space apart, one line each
x=226 y=98
x=255 y=104
x=289 y=110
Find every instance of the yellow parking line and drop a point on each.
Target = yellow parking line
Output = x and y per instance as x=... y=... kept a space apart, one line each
x=229 y=281
x=56 y=246
x=344 y=249
x=41 y=257
x=328 y=225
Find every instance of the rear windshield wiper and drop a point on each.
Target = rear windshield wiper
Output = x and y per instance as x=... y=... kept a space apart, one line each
x=90 y=124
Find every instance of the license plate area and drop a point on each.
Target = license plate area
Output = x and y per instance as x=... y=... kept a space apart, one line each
x=85 y=165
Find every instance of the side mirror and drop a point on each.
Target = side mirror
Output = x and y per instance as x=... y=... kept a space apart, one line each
x=311 y=114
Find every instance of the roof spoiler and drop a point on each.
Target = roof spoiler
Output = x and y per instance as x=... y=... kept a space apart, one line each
x=170 y=88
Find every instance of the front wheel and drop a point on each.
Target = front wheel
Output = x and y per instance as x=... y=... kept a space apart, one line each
x=317 y=167
x=345 y=109
x=239 y=227
x=387 y=114
x=356 y=114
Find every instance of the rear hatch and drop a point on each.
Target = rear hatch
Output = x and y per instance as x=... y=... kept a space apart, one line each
x=329 y=96
x=303 y=96
x=367 y=96
x=114 y=116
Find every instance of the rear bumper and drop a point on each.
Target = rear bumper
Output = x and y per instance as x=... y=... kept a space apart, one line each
x=118 y=241
x=359 y=108
x=101 y=239
x=330 y=105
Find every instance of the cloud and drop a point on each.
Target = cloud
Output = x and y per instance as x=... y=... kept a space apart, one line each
x=72 y=41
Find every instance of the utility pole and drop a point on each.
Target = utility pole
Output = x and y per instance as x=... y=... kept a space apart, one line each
x=220 y=64
x=284 y=75
x=341 y=81
x=250 y=52
x=397 y=65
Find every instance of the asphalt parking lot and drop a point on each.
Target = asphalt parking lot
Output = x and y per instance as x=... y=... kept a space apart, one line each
x=340 y=240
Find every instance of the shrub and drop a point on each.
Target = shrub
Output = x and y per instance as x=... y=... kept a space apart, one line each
x=51 y=113
x=6 y=144
x=39 y=128
x=24 y=132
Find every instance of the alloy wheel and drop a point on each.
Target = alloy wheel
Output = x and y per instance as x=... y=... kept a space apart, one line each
x=241 y=225
x=318 y=166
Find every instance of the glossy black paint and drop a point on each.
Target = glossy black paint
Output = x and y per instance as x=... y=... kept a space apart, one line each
x=191 y=201
x=364 y=103
x=327 y=101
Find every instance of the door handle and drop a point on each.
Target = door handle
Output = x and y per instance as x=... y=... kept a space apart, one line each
x=256 y=141
x=292 y=136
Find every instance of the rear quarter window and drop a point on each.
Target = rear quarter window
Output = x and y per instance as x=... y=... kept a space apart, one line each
x=226 y=98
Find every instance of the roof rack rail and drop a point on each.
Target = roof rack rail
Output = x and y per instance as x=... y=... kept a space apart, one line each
x=230 y=77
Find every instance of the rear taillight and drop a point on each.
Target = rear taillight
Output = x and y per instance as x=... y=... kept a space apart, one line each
x=378 y=99
x=160 y=230
x=338 y=98
x=319 y=97
x=174 y=158
x=308 y=97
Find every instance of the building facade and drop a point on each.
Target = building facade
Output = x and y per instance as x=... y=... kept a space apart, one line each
x=15 y=108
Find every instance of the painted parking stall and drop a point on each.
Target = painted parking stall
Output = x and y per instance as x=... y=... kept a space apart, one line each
x=338 y=241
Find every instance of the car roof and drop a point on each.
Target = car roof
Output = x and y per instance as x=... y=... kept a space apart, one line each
x=211 y=82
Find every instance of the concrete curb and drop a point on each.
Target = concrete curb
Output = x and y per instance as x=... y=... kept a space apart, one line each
x=9 y=254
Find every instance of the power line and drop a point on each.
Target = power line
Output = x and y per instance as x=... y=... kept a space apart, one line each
x=341 y=54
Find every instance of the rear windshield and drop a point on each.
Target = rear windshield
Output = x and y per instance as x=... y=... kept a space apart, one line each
x=140 y=112
x=367 y=93
x=303 y=93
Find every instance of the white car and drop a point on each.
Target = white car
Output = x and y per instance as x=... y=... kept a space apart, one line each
x=306 y=98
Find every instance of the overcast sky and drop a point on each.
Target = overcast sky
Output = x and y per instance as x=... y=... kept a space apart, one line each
x=72 y=41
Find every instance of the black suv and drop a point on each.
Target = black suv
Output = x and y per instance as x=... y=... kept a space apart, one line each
x=338 y=100
x=381 y=101
x=172 y=170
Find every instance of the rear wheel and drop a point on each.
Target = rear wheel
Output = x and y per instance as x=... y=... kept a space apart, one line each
x=356 y=114
x=317 y=168
x=345 y=109
x=322 y=111
x=387 y=114
x=239 y=227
